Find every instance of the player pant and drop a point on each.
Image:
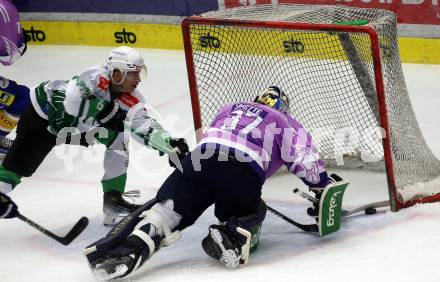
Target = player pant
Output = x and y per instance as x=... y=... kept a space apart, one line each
x=32 y=144
x=232 y=186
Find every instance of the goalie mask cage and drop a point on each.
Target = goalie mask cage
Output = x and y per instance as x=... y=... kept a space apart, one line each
x=341 y=69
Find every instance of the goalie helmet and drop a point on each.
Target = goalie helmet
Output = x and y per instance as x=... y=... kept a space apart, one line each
x=125 y=59
x=275 y=98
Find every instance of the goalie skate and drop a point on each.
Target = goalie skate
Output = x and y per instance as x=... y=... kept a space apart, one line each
x=231 y=252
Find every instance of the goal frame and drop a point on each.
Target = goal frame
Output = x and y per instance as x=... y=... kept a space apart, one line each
x=395 y=203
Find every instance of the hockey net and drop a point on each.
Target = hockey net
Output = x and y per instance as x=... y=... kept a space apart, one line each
x=341 y=69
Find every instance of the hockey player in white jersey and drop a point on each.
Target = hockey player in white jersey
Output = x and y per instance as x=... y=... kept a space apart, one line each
x=97 y=104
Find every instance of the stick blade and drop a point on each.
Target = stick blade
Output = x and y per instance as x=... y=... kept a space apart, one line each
x=75 y=231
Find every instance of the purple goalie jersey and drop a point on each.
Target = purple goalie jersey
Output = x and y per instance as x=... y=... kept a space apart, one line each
x=267 y=139
x=12 y=41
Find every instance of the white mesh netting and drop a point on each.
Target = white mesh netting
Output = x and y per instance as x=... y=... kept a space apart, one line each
x=329 y=77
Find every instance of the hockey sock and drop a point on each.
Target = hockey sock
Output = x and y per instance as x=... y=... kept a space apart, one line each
x=9 y=177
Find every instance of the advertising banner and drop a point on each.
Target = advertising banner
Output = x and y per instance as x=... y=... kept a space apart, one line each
x=103 y=34
x=408 y=11
x=144 y=7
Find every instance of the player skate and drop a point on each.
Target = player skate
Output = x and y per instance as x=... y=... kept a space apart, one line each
x=115 y=207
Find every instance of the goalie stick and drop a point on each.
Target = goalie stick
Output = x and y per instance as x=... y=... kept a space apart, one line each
x=68 y=238
x=345 y=213
x=366 y=207
x=330 y=212
x=314 y=227
x=304 y=227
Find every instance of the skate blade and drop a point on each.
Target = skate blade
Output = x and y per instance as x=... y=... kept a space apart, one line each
x=228 y=257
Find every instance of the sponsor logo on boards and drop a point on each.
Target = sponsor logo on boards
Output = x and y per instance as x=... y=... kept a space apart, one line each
x=125 y=36
x=34 y=35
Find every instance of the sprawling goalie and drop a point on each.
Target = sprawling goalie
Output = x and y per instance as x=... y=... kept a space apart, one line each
x=246 y=143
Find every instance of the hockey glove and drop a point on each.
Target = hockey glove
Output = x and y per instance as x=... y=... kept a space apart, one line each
x=5 y=145
x=112 y=117
x=8 y=209
x=175 y=148
x=159 y=140
x=314 y=211
x=180 y=147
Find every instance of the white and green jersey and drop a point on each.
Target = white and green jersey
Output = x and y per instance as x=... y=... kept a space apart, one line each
x=77 y=102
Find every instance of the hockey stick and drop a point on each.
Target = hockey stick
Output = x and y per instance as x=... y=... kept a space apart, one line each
x=345 y=213
x=304 y=227
x=70 y=236
x=367 y=208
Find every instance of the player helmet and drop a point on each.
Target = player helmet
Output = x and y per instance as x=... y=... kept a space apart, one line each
x=275 y=98
x=125 y=59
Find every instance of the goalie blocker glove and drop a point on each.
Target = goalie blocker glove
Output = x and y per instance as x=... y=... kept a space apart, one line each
x=8 y=209
x=314 y=211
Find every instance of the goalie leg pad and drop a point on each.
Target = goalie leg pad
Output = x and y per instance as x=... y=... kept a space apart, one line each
x=163 y=217
x=131 y=249
x=129 y=255
x=116 y=235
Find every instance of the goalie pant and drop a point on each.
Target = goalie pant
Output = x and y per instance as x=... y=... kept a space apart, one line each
x=236 y=193
x=231 y=185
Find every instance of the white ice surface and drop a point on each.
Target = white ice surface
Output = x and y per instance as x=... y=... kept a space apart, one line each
x=401 y=246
